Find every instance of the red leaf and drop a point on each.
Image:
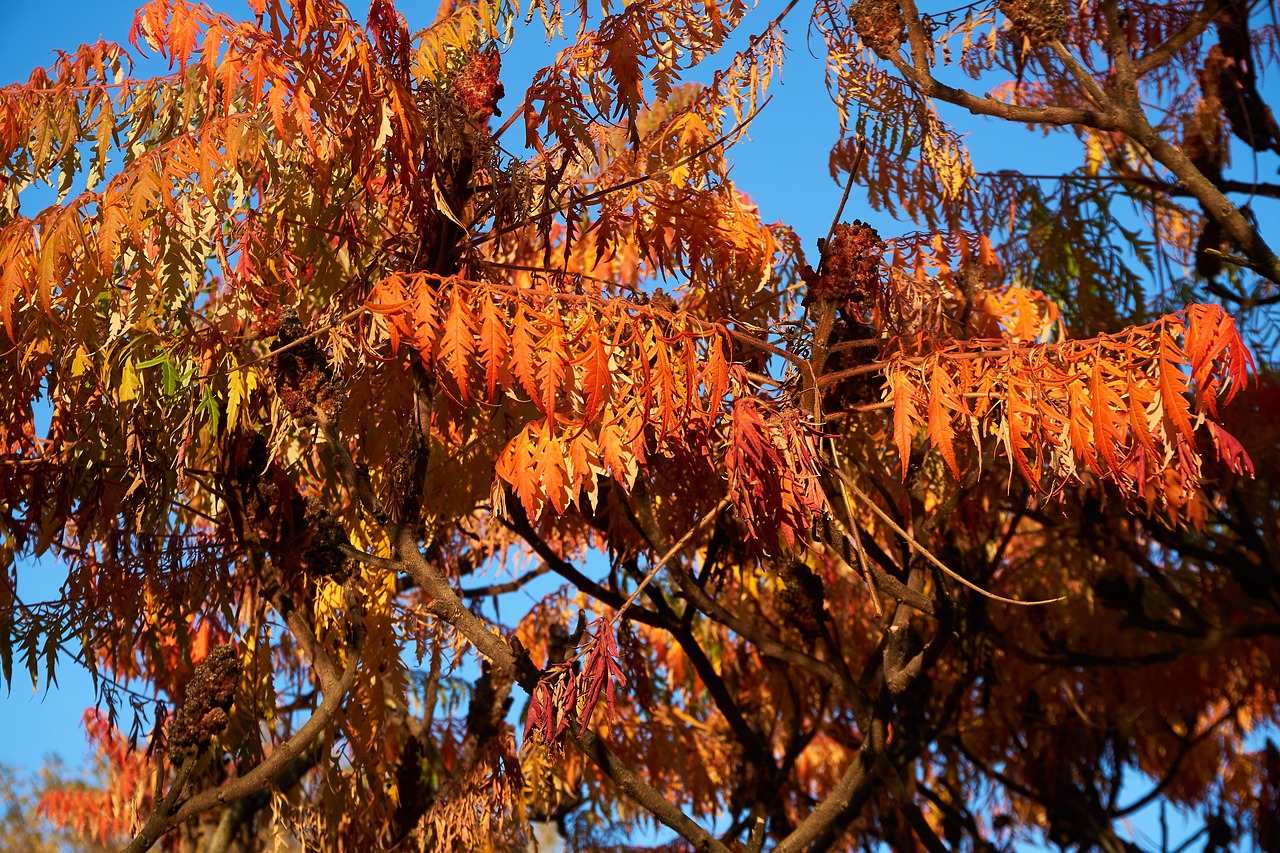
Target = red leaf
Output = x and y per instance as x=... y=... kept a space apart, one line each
x=1230 y=450
x=600 y=672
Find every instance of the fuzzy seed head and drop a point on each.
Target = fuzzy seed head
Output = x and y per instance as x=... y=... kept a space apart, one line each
x=880 y=25
x=1041 y=21
x=850 y=268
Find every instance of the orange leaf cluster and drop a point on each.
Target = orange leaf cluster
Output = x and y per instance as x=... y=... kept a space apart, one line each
x=1124 y=407
x=605 y=378
x=104 y=814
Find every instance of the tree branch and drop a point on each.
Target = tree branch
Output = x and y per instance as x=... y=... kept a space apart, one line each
x=918 y=74
x=243 y=810
x=1163 y=52
x=698 y=597
x=165 y=816
x=643 y=793
x=855 y=787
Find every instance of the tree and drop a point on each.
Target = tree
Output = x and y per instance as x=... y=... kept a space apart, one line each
x=20 y=829
x=939 y=541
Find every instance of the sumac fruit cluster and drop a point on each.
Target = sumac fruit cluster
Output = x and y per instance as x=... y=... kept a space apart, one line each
x=208 y=699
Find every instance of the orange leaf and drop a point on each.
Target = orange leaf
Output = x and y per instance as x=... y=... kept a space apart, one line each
x=1141 y=396
x=942 y=402
x=597 y=379
x=494 y=343
x=905 y=416
x=524 y=354
x=553 y=366
x=715 y=376
x=426 y=320
x=1106 y=408
x=516 y=466
x=551 y=468
x=458 y=343
x=616 y=453
x=1174 y=384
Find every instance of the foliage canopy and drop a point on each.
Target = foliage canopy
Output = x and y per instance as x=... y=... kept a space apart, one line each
x=943 y=540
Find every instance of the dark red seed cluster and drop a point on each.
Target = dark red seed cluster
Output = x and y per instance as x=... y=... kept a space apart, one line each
x=1041 y=21
x=850 y=267
x=302 y=377
x=324 y=557
x=477 y=87
x=880 y=25
x=204 y=711
x=801 y=599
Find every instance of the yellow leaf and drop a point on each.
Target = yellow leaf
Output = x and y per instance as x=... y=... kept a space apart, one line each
x=83 y=361
x=442 y=204
x=240 y=386
x=129 y=383
x=1094 y=157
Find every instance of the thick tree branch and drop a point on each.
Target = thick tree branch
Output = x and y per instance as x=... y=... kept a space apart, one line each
x=507 y=586
x=279 y=758
x=1124 y=79
x=856 y=785
x=1058 y=116
x=907 y=805
x=643 y=793
x=719 y=691
x=917 y=72
x=1226 y=185
x=518 y=523
x=242 y=811
x=168 y=814
x=445 y=604
x=1081 y=75
x=1235 y=224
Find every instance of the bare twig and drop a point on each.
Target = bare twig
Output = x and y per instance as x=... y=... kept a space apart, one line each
x=675 y=549
x=928 y=555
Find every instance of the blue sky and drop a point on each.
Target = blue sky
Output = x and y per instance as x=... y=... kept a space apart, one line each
x=782 y=166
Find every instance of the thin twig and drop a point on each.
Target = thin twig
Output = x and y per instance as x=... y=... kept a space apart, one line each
x=601 y=193
x=310 y=336
x=844 y=199
x=928 y=555
x=675 y=549
x=857 y=538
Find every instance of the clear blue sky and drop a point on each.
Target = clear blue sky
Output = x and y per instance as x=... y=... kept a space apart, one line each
x=783 y=167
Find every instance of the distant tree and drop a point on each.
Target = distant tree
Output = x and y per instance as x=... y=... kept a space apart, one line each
x=21 y=828
x=942 y=540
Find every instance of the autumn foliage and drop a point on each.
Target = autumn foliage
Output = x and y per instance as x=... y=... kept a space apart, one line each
x=419 y=485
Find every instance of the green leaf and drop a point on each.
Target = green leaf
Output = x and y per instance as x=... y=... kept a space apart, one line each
x=6 y=651
x=209 y=408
